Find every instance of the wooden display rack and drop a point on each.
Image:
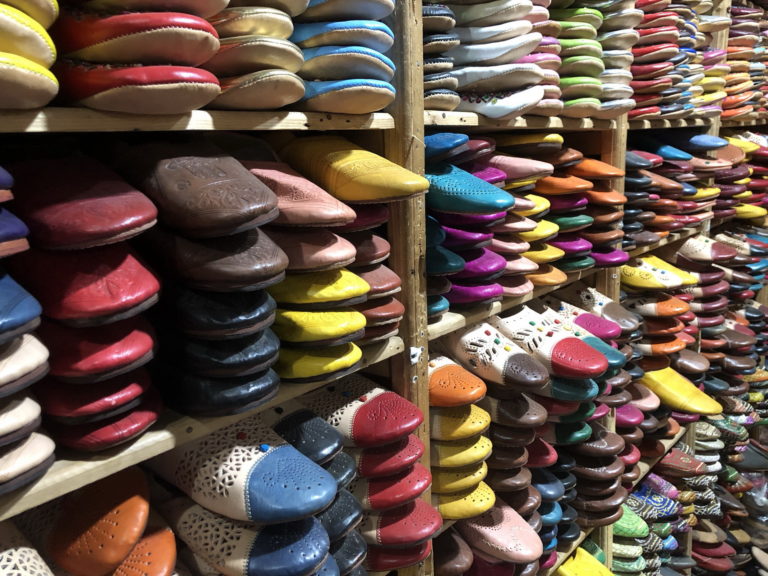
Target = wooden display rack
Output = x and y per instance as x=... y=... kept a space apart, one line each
x=399 y=135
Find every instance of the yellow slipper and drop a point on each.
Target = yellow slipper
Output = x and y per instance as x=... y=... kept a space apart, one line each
x=458 y=423
x=541 y=204
x=452 y=480
x=329 y=289
x=320 y=328
x=459 y=453
x=465 y=504
x=349 y=172
x=582 y=563
x=544 y=253
x=27 y=84
x=544 y=229
x=24 y=36
x=656 y=262
x=677 y=392
x=315 y=364
x=745 y=145
x=510 y=140
x=749 y=211
x=705 y=193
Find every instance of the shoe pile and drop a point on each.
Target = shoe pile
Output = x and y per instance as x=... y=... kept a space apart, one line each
x=93 y=323
x=749 y=202
x=440 y=85
x=256 y=64
x=481 y=57
x=578 y=186
x=27 y=54
x=474 y=247
x=376 y=425
x=79 y=533
x=213 y=323
x=345 y=70
x=670 y=59
x=457 y=421
x=26 y=452
x=549 y=377
x=668 y=189
x=458 y=464
x=316 y=318
x=583 y=70
x=746 y=57
x=144 y=62
x=265 y=482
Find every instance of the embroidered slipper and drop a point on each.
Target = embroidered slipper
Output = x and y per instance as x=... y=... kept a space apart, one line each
x=253 y=474
x=288 y=549
x=405 y=526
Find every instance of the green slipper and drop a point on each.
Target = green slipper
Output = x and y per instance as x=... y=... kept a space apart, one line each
x=662 y=529
x=625 y=551
x=630 y=525
x=571 y=222
x=568 y=265
x=588 y=15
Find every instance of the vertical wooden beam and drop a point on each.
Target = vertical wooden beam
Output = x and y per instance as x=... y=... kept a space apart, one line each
x=405 y=146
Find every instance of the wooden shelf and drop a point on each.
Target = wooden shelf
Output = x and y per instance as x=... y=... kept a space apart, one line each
x=646 y=465
x=86 y=120
x=565 y=553
x=760 y=120
x=673 y=237
x=470 y=119
x=70 y=473
x=655 y=124
x=453 y=320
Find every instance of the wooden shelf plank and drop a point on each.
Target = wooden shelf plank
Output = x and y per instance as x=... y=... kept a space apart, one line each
x=673 y=237
x=70 y=473
x=470 y=119
x=453 y=320
x=760 y=120
x=655 y=124
x=86 y=120
x=645 y=465
x=564 y=553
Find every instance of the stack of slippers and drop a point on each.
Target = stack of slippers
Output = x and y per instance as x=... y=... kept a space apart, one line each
x=28 y=54
x=438 y=22
x=93 y=322
x=733 y=182
x=213 y=322
x=278 y=483
x=745 y=53
x=351 y=272
x=398 y=526
x=345 y=69
x=77 y=533
x=580 y=187
x=488 y=56
x=665 y=67
x=512 y=448
x=711 y=90
x=617 y=36
x=749 y=202
x=256 y=64
x=595 y=84
x=147 y=62
x=547 y=57
x=27 y=452
x=671 y=187
x=456 y=420
x=465 y=206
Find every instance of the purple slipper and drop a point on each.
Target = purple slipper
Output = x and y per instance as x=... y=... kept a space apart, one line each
x=604 y=257
x=459 y=239
x=463 y=295
x=469 y=220
x=571 y=244
x=480 y=263
x=567 y=202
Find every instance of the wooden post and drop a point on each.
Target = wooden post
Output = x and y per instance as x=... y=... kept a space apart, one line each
x=405 y=146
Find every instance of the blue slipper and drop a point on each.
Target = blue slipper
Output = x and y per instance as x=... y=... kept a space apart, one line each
x=346 y=62
x=456 y=191
x=369 y=33
x=356 y=96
